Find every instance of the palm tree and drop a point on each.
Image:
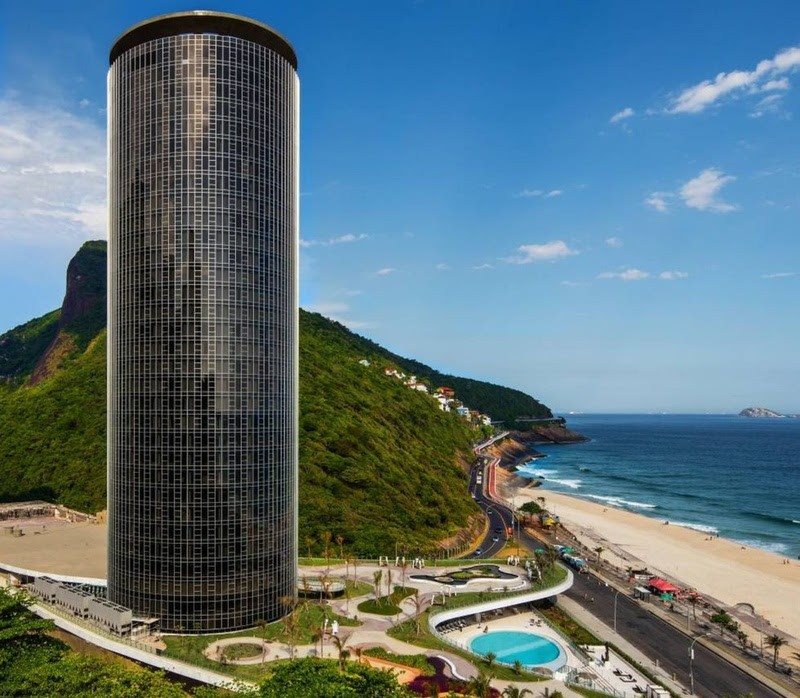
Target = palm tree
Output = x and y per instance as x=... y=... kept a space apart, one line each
x=480 y=686
x=516 y=692
x=343 y=653
x=490 y=657
x=389 y=585
x=326 y=542
x=340 y=543
x=599 y=550
x=419 y=603
x=776 y=642
x=377 y=575
x=518 y=668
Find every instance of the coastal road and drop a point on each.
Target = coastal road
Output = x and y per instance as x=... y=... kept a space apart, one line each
x=498 y=515
x=713 y=675
x=657 y=639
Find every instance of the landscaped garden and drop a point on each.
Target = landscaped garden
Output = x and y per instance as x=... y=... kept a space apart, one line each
x=299 y=628
x=466 y=574
x=387 y=605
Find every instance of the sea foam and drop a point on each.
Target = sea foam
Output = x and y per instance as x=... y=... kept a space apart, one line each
x=703 y=528
x=620 y=502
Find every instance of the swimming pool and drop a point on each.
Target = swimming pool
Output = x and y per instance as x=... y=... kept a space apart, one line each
x=511 y=646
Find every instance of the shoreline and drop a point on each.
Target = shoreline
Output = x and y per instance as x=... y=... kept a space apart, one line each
x=725 y=570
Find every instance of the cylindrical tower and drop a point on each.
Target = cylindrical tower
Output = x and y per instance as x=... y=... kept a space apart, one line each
x=202 y=342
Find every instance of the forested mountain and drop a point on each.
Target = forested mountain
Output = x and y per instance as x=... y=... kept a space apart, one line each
x=380 y=465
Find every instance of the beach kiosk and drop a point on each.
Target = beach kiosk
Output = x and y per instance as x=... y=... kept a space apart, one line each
x=662 y=588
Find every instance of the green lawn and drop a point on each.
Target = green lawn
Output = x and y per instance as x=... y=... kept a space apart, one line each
x=418 y=661
x=189 y=648
x=387 y=605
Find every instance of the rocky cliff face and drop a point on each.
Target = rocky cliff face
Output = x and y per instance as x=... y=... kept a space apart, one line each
x=83 y=312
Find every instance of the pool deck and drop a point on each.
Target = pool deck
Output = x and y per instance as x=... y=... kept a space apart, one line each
x=521 y=622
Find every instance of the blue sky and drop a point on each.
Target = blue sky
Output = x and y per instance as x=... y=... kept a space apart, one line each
x=595 y=202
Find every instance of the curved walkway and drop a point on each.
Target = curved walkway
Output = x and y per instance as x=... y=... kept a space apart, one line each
x=502 y=602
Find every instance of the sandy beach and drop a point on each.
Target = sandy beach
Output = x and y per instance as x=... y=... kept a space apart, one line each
x=725 y=570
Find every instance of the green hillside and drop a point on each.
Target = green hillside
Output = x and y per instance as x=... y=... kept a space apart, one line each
x=380 y=464
x=500 y=403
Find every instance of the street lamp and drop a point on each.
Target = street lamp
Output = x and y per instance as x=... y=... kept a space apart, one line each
x=619 y=591
x=691 y=663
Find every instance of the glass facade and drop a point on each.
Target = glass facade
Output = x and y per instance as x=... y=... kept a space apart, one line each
x=202 y=352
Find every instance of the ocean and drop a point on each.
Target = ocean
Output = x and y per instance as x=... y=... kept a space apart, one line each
x=724 y=474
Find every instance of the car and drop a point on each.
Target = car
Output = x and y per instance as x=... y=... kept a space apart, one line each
x=498 y=530
x=495 y=539
x=473 y=496
x=490 y=510
x=479 y=551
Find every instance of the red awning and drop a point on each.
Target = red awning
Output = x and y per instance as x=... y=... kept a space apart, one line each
x=662 y=586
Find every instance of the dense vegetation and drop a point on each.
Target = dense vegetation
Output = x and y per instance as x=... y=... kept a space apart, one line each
x=23 y=346
x=500 y=403
x=380 y=466
x=32 y=663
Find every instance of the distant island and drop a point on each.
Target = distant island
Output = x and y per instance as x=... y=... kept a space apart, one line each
x=762 y=412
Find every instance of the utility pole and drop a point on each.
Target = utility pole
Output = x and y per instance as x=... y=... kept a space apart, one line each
x=618 y=592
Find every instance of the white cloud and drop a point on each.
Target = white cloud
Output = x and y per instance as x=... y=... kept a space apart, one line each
x=704 y=94
x=780 y=84
x=770 y=104
x=442 y=266
x=533 y=193
x=333 y=310
x=351 y=293
x=573 y=284
x=658 y=200
x=625 y=113
x=84 y=103
x=528 y=193
x=385 y=271
x=52 y=174
x=673 y=275
x=547 y=252
x=614 y=242
x=329 y=308
x=625 y=275
x=349 y=237
x=779 y=275
x=701 y=192
x=480 y=267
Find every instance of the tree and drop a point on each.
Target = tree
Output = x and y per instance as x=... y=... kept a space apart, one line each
x=309 y=543
x=377 y=575
x=599 y=550
x=517 y=667
x=776 y=642
x=480 y=686
x=342 y=652
x=340 y=543
x=516 y=692
x=419 y=605
x=490 y=657
x=389 y=585
x=323 y=679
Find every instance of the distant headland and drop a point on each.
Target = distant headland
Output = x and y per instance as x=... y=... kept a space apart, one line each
x=763 y=412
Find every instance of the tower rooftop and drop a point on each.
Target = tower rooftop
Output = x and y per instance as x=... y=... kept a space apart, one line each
x=203 y=22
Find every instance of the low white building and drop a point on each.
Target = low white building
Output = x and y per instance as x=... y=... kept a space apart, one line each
x=364 y=362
